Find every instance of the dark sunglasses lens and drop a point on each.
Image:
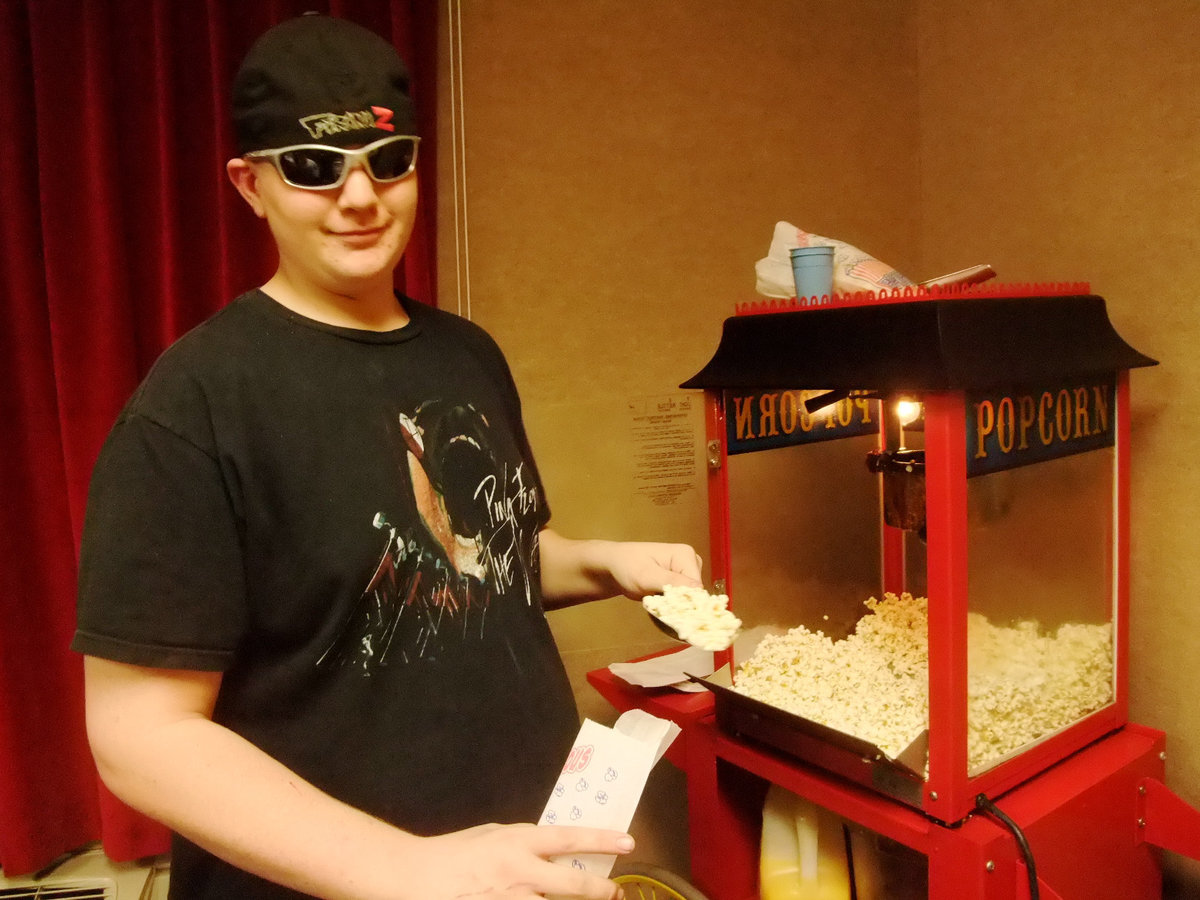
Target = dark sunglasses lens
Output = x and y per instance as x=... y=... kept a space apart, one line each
x=311 y=167
x=393 y=160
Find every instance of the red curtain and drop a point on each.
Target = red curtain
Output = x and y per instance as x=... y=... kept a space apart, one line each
x=120 y=232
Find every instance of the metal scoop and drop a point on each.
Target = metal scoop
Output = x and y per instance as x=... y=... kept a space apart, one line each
x=664 y=627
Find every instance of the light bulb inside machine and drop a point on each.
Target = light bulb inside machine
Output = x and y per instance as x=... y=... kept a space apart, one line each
x=907 y=411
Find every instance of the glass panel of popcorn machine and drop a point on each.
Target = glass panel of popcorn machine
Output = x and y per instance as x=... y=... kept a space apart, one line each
x=805 y=569
x=821 y=639
x=804 y=536
x=1040 y=585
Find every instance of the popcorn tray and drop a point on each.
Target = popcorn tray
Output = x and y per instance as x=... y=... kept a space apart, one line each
x=901 y=778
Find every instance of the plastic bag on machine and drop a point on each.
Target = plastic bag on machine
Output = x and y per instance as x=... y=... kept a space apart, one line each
x=853 y=270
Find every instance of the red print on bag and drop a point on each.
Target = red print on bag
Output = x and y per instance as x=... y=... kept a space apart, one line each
x=578 y=759
x=383 y=118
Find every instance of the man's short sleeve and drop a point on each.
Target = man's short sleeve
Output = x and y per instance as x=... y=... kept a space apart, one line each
x=161 y=579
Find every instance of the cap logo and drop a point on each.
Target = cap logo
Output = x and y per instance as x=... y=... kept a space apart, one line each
x=383 y=118
x=325 y=124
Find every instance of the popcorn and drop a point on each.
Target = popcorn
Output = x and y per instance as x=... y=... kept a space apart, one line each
x=1022 y=683
x=698 y=617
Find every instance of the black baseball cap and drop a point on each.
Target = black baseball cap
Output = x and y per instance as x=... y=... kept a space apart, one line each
x=317 y=79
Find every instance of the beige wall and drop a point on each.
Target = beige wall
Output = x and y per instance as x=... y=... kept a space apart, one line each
x=625 y=163
x=625 y=166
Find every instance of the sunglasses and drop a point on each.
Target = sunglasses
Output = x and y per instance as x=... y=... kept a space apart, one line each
x=316 y=167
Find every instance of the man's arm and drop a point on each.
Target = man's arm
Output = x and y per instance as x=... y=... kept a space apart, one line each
x=157 y=749
x=574 y=571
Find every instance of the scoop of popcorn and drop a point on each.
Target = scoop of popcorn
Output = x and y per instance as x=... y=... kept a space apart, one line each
x=698 y=617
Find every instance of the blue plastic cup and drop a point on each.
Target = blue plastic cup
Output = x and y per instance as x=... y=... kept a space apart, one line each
x=812 y=268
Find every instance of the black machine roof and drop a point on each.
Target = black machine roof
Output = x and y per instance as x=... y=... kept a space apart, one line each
x=920 y=345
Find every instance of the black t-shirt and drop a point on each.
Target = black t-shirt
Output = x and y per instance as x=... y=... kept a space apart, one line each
x=345 y=524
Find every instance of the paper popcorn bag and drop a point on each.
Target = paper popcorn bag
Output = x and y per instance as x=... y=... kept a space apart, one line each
x=603 y=778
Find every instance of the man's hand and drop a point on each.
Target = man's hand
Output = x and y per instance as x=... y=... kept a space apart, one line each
x=641 y=568
x=574 y=571
x=513 y=861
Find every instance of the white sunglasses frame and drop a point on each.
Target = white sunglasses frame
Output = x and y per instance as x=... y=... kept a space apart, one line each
x=353 y=159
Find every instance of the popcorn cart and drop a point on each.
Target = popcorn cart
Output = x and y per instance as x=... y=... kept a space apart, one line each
x=919 y=508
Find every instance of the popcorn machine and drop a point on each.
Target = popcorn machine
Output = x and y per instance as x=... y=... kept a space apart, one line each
x=919 y=507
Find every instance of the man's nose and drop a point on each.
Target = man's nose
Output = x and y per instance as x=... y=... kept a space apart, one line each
x=358 y=189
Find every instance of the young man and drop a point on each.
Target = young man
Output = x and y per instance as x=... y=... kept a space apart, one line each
x=316 y=559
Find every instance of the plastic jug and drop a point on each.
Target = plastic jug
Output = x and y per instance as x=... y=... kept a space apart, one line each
x=803 y=855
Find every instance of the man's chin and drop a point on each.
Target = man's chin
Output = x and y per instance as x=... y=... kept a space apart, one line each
x=364 y=268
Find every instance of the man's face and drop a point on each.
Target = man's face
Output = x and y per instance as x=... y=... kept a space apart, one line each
x=344 y=240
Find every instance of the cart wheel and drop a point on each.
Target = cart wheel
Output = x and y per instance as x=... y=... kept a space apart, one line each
x=642 y=881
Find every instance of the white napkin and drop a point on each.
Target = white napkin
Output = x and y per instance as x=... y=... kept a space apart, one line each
x=668 y=670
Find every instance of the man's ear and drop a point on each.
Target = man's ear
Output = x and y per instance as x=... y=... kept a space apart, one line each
x=244 y=178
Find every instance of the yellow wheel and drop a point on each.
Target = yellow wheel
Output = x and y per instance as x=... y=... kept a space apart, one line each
x=646 y=882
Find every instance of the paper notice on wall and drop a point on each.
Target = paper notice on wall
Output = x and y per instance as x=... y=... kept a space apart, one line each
x=604 y=776
x=664 y=446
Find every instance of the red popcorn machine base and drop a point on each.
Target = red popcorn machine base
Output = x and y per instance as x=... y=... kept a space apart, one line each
x=970 y=449
x=1096 y=821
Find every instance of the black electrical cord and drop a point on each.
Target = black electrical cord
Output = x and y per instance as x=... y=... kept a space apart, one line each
x=849 y=846
x=983 y=804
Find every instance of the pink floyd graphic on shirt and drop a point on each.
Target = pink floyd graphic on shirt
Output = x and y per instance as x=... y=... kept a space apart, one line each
x=473 y=539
